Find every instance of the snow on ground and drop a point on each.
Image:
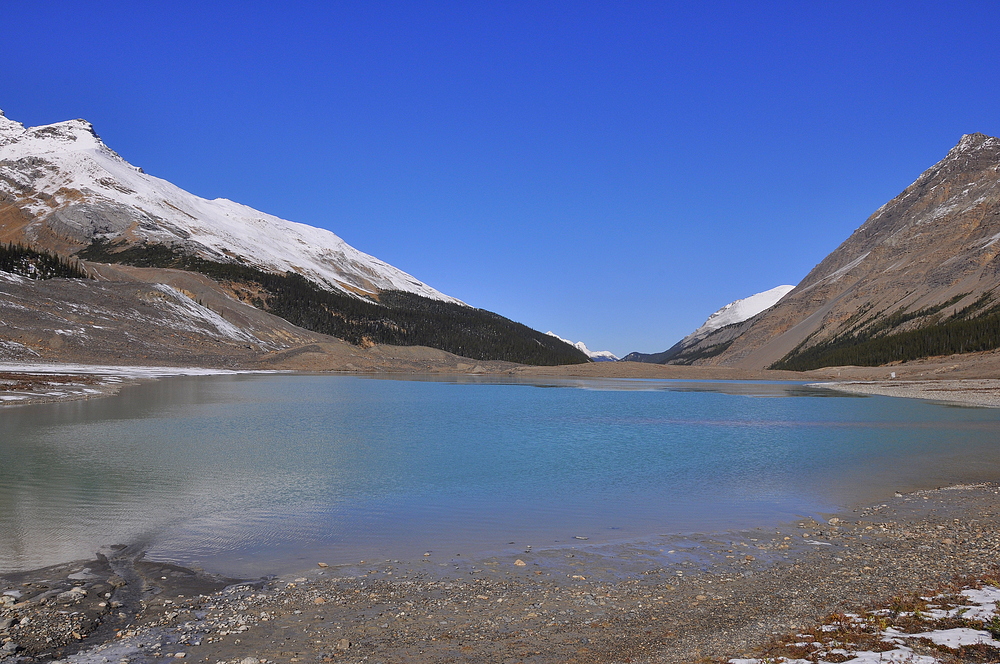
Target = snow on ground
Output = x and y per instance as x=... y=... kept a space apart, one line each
x=115 y=371
x=62 y=159
x=898 y=656
x=16 y=349
x=956 y=637
x=46 y=382
x=981 y=605
x=599 y=355
x=984 y=603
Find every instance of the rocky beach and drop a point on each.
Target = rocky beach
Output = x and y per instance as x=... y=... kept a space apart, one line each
x=709 y=598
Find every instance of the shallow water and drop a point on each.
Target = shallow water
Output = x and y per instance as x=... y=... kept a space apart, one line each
x=251 y=474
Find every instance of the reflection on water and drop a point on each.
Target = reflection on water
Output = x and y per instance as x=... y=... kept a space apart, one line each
x=246 y=473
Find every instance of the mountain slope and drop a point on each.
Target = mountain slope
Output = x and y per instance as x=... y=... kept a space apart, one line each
x=63 y=190
x=918 y=278
x=690 y=348
x=152 y=317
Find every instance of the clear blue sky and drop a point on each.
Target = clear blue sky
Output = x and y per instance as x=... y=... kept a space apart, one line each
x=611 y=171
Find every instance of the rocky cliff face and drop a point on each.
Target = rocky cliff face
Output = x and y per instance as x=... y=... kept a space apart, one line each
x=928 y=258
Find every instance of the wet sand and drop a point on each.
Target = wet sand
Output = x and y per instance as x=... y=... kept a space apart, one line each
x=715 y=597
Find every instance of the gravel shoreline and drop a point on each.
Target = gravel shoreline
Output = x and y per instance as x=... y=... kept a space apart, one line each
x=983 y=392
x=721 y=596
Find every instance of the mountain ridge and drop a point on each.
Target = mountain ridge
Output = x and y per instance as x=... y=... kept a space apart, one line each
x=70 y=171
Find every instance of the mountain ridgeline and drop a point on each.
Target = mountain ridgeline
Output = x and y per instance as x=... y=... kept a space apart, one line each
x=398 y=317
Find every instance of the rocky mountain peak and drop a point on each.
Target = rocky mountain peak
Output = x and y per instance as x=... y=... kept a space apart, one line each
x=76 y=134
x=9 y=128
x=974 y=141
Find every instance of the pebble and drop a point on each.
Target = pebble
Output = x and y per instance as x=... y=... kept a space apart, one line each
x=84 y=575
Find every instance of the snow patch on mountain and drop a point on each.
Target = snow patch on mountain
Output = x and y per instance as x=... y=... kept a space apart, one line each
x=739 y=311
x=64 y=172
x=597 y=356
x=190 y=314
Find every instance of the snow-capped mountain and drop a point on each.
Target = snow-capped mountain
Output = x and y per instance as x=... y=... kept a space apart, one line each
x=597 y=356
x=687 y=349
x=739 y=311
x=69 y=189
x=65 y=194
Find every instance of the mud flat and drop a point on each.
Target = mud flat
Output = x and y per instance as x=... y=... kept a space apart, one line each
x=706 y=597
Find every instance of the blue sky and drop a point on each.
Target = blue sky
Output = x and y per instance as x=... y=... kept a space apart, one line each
x=614 y=172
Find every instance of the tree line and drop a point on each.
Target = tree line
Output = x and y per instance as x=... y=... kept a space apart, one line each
x=20 y=259
x=972 y=329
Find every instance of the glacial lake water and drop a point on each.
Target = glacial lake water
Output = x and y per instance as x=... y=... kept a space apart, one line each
x=252 y=474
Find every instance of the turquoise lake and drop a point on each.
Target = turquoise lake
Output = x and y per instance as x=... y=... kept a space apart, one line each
x=251 y=474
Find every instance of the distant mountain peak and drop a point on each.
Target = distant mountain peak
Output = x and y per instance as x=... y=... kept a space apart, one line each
x=701 y=343
x=596 y=355
x=740 y=310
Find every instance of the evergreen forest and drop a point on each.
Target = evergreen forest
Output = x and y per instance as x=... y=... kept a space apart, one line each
x=971 y=329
